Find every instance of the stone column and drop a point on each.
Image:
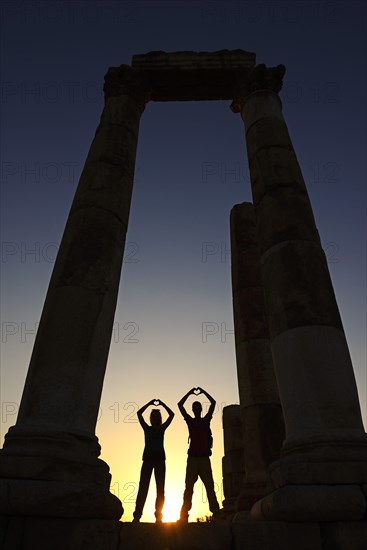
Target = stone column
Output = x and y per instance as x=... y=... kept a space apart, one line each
x=325 y=440
x=233 y=467
x=49 y=464
x=261 y=411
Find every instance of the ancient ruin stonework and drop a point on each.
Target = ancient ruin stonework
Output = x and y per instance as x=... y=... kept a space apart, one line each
x=261 y=411
x=53 y=486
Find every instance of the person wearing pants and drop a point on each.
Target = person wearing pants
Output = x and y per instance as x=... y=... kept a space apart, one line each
x=154 y=458
x=198 y=461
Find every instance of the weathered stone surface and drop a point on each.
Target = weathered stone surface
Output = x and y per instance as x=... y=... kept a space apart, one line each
x=28 y=497
x=284 y=216
x=232 y=428
x=11 y=532
x=96 y=535
x=249 y=313
x=192 y=536
x=263 y=80
x=299 y=289
x=314 y=473
x=233 y=438
x=56 y=533
x=55 y=468
x=312 y=503
x=233 y=483
x=252 y=492
x=242 y=516
x=187 y=60
x=331 y=410
x=263 y=104
x=348 y=535
x=275 y=167
x=276 y=536
x=189 y=76
x=265 y=133
x=256 y=378
x=303 y=318
x=233 y=461
x=261 y=414
x=24 y=533
x=72 y=343
x=260 y=452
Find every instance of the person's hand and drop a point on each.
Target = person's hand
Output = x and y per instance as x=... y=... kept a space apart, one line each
x=196 y=391
x=193 y=390
x=154 y=402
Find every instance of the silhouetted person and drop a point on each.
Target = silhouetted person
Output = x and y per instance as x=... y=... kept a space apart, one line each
x=198 y=461
x=154 y=458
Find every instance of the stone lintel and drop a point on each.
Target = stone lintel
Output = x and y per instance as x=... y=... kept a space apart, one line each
x=194 y=76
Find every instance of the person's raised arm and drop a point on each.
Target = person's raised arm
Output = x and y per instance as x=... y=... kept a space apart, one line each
x=212 y=402
x=182 y=402
x=170 y=412
x=142 y=410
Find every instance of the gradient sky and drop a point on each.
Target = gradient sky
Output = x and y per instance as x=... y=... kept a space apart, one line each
x=191 y=169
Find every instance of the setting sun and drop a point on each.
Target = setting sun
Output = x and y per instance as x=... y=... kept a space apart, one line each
x=173 y=503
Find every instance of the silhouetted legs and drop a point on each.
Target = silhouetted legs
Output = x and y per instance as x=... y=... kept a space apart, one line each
x=159 y=474
x=159 y=467
x=198 y=466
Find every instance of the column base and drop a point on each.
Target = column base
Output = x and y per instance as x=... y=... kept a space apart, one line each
x=249 y=495
x=317 y=473
x=312 y=503
x=333 y=461
x=55 y=474
x=62 y=499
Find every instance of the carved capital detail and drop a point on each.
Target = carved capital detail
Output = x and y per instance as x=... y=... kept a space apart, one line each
x=125 y=80
x=258 y=78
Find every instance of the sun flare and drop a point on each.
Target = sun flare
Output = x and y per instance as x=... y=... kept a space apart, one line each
x=172 y=506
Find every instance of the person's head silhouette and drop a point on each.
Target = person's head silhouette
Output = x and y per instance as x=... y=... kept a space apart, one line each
x=197 y=408
x=156 y=417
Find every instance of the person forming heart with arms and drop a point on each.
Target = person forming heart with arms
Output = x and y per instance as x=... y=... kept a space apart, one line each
x=198 y=461
x=154 y=458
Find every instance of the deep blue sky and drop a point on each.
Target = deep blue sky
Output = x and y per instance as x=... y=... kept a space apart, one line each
x=191 y=169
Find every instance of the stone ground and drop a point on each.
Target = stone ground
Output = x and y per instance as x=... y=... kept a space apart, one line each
x=32 y=533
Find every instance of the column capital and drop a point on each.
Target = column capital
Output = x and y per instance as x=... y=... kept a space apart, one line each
x=258 y=78
x=125 y=80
